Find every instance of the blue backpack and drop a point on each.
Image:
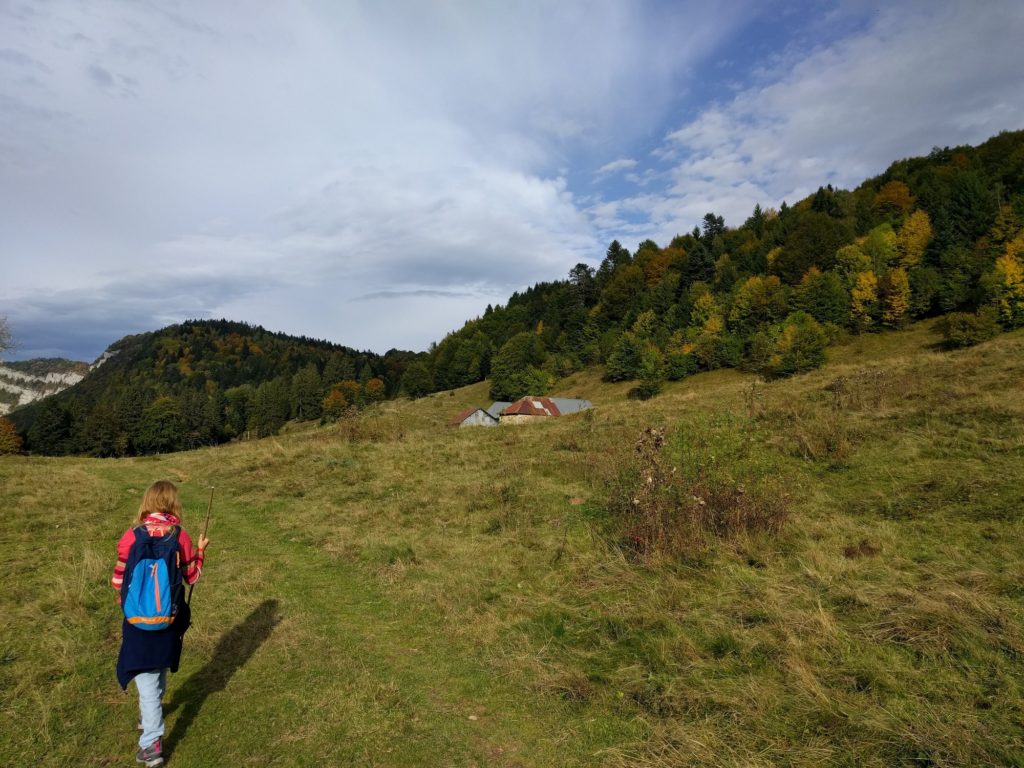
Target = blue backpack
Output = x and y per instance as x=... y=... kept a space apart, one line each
x=153 y=584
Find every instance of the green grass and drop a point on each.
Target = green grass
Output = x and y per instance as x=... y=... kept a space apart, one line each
x=392 y=592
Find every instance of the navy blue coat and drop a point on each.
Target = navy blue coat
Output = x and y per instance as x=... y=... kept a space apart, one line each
x=146 y=651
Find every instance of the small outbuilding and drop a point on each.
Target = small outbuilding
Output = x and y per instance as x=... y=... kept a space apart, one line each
x=474 y=417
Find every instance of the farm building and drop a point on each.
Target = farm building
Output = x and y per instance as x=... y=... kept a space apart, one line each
x=528 y=408
x=521 y=410
x=474 y=417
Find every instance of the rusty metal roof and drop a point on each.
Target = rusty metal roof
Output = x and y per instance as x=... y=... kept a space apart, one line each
x=532 y=406
x=462 y=416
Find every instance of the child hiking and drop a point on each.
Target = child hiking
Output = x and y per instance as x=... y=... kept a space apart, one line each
x=155 y=559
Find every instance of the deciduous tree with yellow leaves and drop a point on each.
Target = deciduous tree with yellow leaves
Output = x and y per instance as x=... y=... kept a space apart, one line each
x=893 y=200
x=914 y=238
x=895 y=297
x=864 y=300
x=1009 y=283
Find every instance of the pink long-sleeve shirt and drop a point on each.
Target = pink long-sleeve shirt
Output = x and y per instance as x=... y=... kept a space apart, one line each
x=159 y=524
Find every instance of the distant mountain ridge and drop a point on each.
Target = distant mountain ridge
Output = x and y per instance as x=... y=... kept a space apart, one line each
x=25 y=381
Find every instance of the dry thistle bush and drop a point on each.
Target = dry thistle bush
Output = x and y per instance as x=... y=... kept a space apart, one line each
x=662 y=511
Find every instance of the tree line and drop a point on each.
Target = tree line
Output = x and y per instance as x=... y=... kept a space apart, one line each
x=935 y=235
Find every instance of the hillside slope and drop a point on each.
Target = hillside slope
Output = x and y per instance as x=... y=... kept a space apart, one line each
x=387 y=591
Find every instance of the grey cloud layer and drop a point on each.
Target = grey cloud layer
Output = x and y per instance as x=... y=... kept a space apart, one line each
x=90 y=319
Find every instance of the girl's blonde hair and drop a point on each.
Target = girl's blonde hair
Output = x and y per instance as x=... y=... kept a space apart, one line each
x=160 y=497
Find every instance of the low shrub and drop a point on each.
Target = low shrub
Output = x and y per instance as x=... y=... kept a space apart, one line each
x=645 y=390
x=679 y=365
x=964 y=329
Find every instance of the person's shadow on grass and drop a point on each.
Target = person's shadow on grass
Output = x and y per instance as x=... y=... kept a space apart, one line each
x=233 y=650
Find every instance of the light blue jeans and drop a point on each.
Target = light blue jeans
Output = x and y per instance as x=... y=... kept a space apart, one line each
x=151 y=687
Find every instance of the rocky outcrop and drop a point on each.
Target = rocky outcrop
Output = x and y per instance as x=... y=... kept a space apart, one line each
x=21 y=383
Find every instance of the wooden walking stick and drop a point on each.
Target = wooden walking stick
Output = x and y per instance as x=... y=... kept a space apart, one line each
x=206 y=527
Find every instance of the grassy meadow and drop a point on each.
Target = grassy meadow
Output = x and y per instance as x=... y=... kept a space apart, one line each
x=388 y=591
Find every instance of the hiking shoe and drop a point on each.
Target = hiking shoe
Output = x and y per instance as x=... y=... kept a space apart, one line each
x=150 y=756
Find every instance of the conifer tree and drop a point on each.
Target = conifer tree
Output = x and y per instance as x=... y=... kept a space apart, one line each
x=972 y=208
x=160 y=428
x=51 y=429
x=270 y=407
x=237 y=408
x=625 y=360
x=417 y=380
x=823 y=296
x=306 y=401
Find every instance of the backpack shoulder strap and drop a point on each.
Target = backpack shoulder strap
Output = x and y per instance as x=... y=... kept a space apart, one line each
x=175 y=535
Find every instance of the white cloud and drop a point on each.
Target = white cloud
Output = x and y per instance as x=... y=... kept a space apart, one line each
x=648 y=176
x=917 y=76
x=622 y=164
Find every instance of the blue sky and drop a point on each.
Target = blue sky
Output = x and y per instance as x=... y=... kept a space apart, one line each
x=377 y=173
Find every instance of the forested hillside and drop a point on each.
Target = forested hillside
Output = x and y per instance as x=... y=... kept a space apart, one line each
x=202 y=383
x=932 y=235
